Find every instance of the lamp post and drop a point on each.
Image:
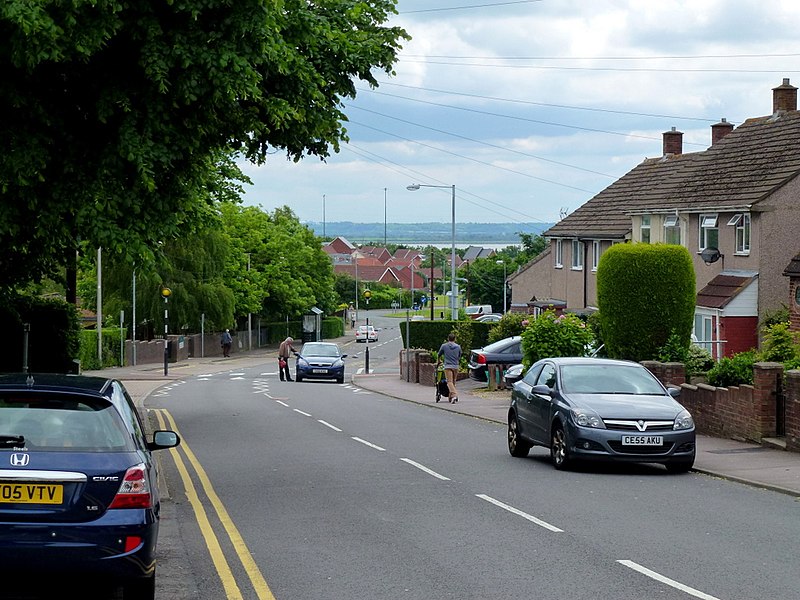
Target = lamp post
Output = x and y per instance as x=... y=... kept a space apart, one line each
x=453 y=300
x=384 y=217
x=323 y=217
x=505 y=304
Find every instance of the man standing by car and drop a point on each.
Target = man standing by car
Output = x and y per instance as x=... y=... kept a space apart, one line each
x=283 y=358
x=452 y=357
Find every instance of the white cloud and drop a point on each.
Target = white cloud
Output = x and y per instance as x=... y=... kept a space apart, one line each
x=639 y=67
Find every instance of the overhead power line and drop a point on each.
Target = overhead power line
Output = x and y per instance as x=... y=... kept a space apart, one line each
x=490 y=5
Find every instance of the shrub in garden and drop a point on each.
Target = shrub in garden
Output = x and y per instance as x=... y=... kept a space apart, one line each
x=779 y=343
x=736 y=370
x=550 y=336
x=509 y=326
x=645 y=293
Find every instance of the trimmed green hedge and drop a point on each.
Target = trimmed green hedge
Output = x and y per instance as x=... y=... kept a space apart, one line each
x=430 y=335
x=111 y=349
x=645 y=293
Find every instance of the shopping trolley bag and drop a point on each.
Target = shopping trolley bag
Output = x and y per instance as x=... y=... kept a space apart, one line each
x=442 y=388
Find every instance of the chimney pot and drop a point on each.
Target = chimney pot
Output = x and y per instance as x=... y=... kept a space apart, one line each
x=720 y=130
x=784 y=97
x=673 y=142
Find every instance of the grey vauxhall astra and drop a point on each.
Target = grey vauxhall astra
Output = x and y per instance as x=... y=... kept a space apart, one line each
x=599 y=409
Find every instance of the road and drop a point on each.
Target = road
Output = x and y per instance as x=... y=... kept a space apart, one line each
x=325 y=491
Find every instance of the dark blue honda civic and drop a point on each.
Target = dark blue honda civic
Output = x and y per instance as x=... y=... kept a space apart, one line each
x=78 y=489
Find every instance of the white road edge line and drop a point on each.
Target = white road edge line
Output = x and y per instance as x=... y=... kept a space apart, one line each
x=366 y=443
x=518 y=512
x=666 y=580
x=305 y=414
x=425 y=469
x=329 y=425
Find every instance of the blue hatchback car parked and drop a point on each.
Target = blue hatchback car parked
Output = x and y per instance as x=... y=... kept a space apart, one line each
x=78 y=490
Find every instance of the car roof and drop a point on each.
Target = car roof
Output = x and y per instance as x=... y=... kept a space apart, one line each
x=589 y=360
x=54 y=382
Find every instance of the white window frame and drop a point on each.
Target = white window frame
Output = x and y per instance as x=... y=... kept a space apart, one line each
x=595 y=254
x=558 y=255
x=577 y=255
x=741 y=221
x=645 y=226
x=707 y=224
x=671 y=222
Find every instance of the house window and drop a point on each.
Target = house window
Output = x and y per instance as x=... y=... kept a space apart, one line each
x=577 y=254
x=742 y=223
x=703 y=331
x=709 y=232
x=645 y=229
x=559 y=255
x=672 y=230
x=595 y=254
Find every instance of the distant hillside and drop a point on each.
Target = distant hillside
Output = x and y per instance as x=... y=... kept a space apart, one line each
x=415 y=233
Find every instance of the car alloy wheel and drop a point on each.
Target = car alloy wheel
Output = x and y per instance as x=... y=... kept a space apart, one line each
x=516 y=447
x=559 y=448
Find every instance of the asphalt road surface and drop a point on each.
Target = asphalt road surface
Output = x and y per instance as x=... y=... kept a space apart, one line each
x=324 y=491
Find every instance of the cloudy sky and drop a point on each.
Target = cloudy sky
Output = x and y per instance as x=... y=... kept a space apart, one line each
x=531 y=107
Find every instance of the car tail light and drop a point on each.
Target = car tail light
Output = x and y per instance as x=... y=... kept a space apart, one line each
x=480 y=359
x=134 y=491
x=132 y=542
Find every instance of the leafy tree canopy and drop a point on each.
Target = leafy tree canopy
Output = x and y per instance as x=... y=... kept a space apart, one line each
x=119 y=117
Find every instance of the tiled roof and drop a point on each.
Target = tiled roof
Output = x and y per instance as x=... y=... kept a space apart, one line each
x=742 y=169
x=721 y=290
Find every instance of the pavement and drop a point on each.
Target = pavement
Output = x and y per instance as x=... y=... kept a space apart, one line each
x=753 y=464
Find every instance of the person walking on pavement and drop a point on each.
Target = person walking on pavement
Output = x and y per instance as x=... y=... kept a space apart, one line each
x=226 y=342
x=283 y=358
x=452 y=357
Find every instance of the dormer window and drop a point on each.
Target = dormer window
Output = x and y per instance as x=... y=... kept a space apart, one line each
x=742 y=223
x=709 y=232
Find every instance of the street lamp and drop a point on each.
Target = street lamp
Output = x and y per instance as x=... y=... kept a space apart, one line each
x=505 y=304
x=453 y=301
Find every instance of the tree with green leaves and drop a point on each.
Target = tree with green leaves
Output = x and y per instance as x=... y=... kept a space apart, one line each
x=121 y=117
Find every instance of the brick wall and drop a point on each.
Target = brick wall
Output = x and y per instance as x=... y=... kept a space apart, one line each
x=747 y=412
x=792 y=399
x=794 y=310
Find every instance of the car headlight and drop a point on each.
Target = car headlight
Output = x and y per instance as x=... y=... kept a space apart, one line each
x=337 y=363
x=302 y=362
x=683 y=421
x=585 y=417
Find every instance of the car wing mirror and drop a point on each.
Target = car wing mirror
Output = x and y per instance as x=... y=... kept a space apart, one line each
x=164 y=439
x=343 y=356
x=674 y=391
x=542 y=390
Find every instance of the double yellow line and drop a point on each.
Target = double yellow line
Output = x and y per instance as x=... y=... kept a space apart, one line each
x=232 y=591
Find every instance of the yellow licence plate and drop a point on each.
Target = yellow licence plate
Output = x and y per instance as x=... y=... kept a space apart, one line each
x=32 y=493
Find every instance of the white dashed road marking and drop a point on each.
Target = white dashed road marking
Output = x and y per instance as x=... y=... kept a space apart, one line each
x=366 y=443
x=666 y=580
x=518 y=512
x=425 y=469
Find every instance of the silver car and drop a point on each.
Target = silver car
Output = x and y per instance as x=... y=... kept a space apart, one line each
x=599 y=409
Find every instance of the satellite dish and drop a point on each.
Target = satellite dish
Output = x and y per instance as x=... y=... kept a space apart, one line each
x=710 y=255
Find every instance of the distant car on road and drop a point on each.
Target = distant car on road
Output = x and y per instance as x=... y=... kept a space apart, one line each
x=507 y=351
x=78 y=484
x=599 y=409
x=366 y=333
x=490 y=318
x=476 y=310
x=320 y=360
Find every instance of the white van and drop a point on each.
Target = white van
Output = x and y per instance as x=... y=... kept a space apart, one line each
x=476 y=310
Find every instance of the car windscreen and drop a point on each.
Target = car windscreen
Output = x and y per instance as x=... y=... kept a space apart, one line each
x=61 y=423
x=608 y=379
x=320 y=350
